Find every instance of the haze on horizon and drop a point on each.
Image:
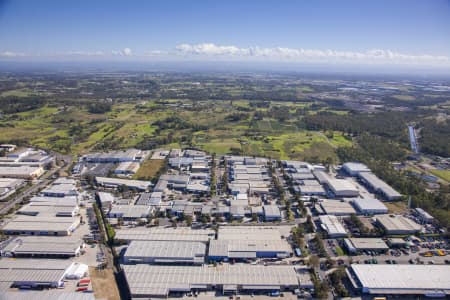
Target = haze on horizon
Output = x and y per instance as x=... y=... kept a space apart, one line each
x=393 y=36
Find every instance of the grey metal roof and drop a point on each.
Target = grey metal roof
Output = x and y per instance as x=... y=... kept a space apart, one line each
x=159 y=280
x=403 y=278
x=165 y=249
x=165 y=234
x=239 y=248
x=379 y=185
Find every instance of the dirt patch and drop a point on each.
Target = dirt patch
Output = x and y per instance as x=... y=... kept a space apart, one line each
x=104 y=284
x=396 y=207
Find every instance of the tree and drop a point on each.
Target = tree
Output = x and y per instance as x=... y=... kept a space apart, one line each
x=314 y=261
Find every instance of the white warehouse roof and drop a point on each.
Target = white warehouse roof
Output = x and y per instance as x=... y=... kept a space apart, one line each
x=402 y=279
x=332 y=225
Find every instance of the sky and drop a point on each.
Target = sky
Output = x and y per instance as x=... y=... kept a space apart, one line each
x=383 y=32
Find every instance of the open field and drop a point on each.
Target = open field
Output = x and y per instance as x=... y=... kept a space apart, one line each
x=104 y=284
x=211 y=128
x=149 y=169
x=396 y=207
x=443 y=174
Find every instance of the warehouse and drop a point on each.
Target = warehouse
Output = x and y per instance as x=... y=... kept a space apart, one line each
x=45 y=225
x=127 y=168
x=337 y=207
x=224 y=250
x=40 y=246
x=353 y=168
x=356 y=245
x=9 y=185
x=165 y=234
x=342 y=187
x=106 y=199
x=367 y=206
x=424 y=280
x=23 y=172
x=332 y=226
x=379 y=186
x=159 y=281
x=261 y=233
x=46 y=209
x=60 y=190
x=130 y=212
x=152 y=199
x=34 y=273
x=272 y=213
x=139 y=185
x=165 y=252
x=423 y=215
x=396 y=224
x=312 y=190
x=116 y=156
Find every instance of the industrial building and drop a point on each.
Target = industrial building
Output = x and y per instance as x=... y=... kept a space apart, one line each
x=332 y=226
x=342 y=187
x=412 y=280
x=165 y=234
x=312 y=190
x=40 y=246
x=130 y=212
x=225 y=250
x=139 y=185
x=396 y=224
x=165 y=252
x=261 y=233
x=33 y=273
x=60 y=190
x=353 y=168
x=127 y=168
x=379 y=186
x=356 y=245
x=37 y=225
x=336 y=207
x=116 y=156
x=423 y=215
x=23 y=172
x=367 y=206
x=159 y=281
x=272 y=213
x=9 y=186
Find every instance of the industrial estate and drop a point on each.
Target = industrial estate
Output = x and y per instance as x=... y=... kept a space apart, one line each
x=209 y=225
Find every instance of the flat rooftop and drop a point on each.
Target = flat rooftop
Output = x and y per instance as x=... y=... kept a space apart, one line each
x=332 y=225
x=165 y=234
x=337 y=207
x=166 y=249
x=397 y=223
x=247 y=248
x=261 y=233
x=160 y=280
x=368 y=243
x=402 y=279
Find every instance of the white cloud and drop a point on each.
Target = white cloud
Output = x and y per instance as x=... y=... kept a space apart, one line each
x=11 y=54
x=123 y=52
x=127 y=52
x=304 y=55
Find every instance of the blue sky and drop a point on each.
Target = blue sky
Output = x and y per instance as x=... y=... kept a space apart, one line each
x=361 y=32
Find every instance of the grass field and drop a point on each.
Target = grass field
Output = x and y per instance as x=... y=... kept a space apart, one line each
x=443 y=174
x=128 y=125
x=149 y=169
x=396 y=207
